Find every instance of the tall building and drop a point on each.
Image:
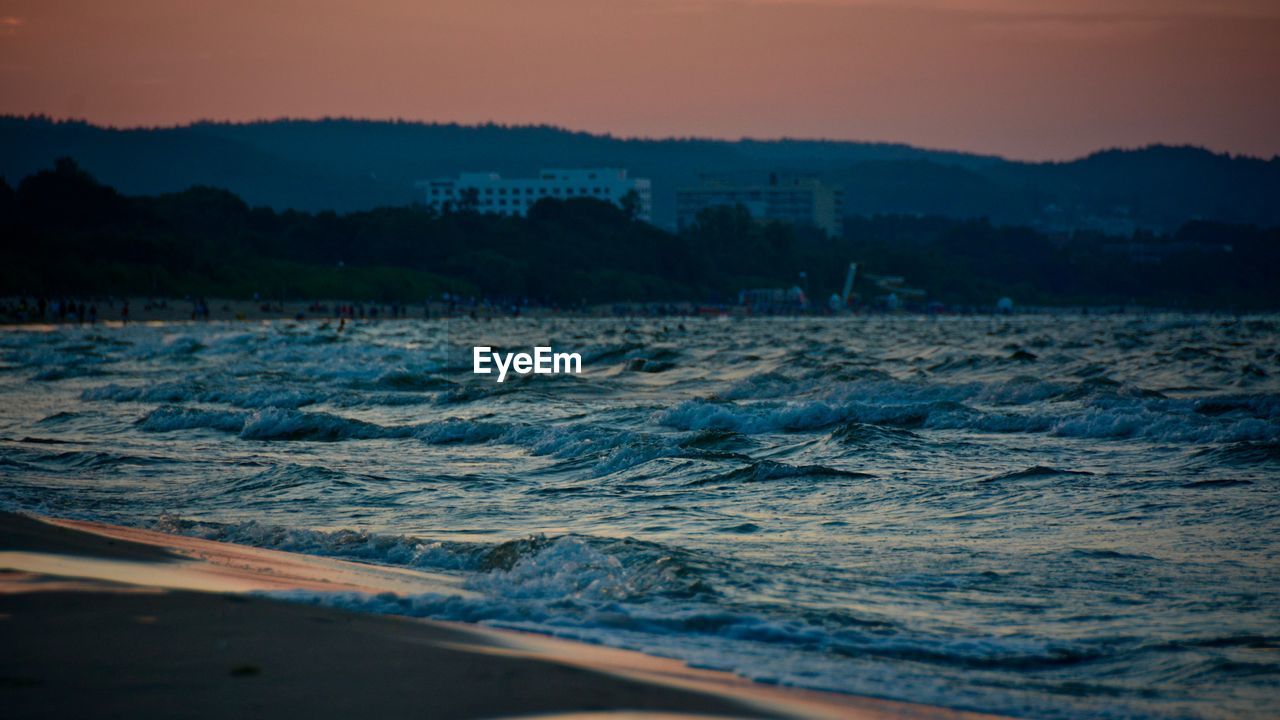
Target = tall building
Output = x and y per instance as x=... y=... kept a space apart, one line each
x=492 y=193
x=797 y=200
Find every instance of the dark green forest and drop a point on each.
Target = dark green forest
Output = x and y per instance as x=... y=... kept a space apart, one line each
x=66 y=233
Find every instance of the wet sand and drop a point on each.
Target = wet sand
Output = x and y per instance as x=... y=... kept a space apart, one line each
x=104 y=621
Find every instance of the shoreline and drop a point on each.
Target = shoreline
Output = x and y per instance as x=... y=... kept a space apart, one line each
x=143 y=311
x=105 y=620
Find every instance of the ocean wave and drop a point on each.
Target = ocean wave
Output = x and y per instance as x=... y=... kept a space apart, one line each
x=569 y=568
x=648 y=365
x=476 y=391
x=77 y=460
x=198 y=392
x=606 y=353
x=64 y=372
x=1239 y=453
x=403 y=550
x=1036 y=472
x=869 y=435
x=1162 y=426
x=402 y=379
x=1262 y=406
x=765 y=470
x=289 y=424
x=1217 y=483
x=170 y=417
x=582 y=595
x=159 y=392
x=465 y=432
x=768 y=417
x=566 y=566
x=59 y=418
x=762 y=386
x=1175 y=421
x=182 y=344
x=606 y=451
x=756 y=552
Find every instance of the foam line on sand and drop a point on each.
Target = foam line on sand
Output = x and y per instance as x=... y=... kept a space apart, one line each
x=100 y=620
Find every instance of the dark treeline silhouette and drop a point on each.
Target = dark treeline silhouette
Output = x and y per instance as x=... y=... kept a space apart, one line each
x=345 y=165
x=66 y=233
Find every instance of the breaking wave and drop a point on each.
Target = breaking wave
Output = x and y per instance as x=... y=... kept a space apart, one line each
x=1026 y=515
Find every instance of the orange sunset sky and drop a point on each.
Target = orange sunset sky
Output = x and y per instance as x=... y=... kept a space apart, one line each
x=1030 y=79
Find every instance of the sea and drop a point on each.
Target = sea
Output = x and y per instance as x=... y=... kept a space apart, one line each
x=1050 y=516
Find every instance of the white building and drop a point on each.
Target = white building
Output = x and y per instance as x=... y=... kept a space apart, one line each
x=492 y=193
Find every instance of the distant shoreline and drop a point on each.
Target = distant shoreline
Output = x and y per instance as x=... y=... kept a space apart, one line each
x=145 y=311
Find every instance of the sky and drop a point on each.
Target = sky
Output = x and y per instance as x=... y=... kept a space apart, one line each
x=1027 y=79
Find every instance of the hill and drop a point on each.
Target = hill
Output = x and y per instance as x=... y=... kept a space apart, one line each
x=345 y=165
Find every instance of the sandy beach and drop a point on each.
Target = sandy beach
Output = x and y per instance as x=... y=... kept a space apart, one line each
x=105 y=621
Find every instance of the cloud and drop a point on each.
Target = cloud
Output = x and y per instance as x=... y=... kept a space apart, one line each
x=1146 y=9
x=9 y=25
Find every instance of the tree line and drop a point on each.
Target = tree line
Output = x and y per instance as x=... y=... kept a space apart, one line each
x=67 y=233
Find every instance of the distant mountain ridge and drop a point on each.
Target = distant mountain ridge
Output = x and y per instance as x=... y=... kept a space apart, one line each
x=345 y=165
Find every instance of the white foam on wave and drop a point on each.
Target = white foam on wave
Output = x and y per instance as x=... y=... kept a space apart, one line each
x=571 y=588
x=170 y=418
x=349 y=544
x=1021 y=406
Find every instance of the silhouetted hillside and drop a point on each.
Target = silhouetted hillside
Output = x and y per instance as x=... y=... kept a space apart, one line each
x=67 y=234
x=349 y=165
